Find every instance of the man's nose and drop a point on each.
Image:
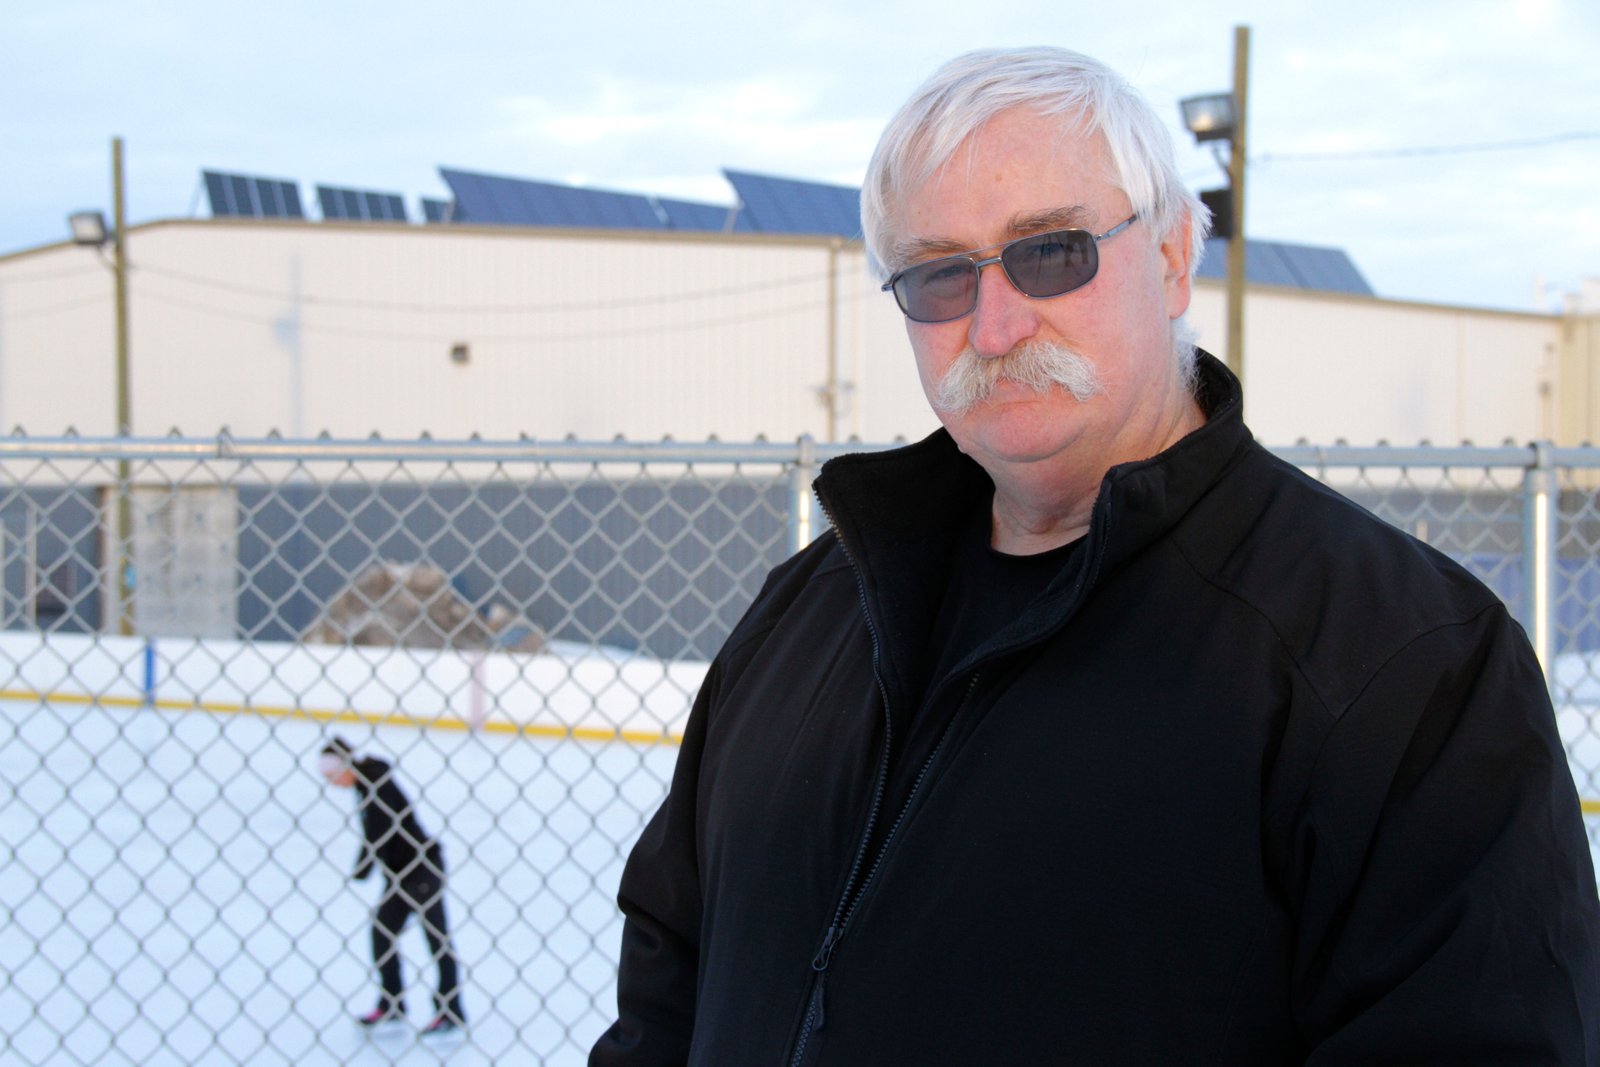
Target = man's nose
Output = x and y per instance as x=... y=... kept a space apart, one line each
x=1003 y=317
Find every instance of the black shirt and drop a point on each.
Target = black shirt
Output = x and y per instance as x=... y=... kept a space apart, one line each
x=987 y=589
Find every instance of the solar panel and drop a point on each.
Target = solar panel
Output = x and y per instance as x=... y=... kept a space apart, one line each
x=688 y=215
x=1328 y=270
x=243 y=196
x=359 y=205
x=787 y=205
x=493 y=199
x=439 y=211
x=792 y=206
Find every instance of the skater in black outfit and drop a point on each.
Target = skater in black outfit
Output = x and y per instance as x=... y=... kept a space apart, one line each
x=413 y=883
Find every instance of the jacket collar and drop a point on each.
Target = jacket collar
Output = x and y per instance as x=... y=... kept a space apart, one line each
x=897 y=514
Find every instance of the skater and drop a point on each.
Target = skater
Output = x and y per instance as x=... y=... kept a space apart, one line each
x=413 y=883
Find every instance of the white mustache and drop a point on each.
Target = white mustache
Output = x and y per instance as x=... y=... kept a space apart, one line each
x=1036 y=365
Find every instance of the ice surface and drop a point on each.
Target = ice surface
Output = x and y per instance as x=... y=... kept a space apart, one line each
x=176 y=881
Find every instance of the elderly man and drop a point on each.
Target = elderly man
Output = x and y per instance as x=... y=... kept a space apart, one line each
x=1092 y=733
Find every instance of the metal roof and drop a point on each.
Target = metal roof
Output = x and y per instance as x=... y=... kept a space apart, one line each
x=243 y=196
x=787 y=205
x=1327 y=270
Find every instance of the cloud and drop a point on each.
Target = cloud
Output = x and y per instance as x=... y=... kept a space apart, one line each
x=644 y=126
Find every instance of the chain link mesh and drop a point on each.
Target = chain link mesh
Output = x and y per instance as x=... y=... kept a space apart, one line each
x=519 y=630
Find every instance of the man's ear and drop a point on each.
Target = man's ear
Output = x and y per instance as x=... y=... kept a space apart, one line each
x=1177 y=253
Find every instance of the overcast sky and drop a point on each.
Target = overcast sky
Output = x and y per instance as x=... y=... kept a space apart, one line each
x=660 y=97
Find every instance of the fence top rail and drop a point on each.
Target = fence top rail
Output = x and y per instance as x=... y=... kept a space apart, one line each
x=376 y=449
x=1339 y=455
x=804 y=451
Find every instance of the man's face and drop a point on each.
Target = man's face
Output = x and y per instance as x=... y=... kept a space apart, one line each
x=1017 y=175
x=341 y=776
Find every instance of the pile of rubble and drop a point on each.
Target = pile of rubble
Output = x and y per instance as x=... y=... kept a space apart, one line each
x=413 y=605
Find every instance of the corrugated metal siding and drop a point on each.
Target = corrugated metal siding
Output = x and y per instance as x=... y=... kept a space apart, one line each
x=311 y=329
x=1329 y=368
x=303 y=328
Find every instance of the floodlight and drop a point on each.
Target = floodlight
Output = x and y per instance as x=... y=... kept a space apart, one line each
x=1209 y=118
x=88 y=228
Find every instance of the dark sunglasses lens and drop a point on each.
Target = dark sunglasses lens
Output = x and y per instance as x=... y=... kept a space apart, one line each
x=938 y=291
x=1050 y=264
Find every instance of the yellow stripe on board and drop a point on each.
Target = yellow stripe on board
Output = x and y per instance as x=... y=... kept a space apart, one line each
x=554 y=733
x=1590 y=806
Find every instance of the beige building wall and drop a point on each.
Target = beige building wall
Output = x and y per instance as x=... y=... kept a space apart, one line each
x=306 y=328
x=1578 y=399
x=1324 y=367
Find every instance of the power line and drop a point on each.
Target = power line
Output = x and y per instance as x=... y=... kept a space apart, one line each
x=1427 y=150
x=767 y=314
x=52 y=275
x=421 y=307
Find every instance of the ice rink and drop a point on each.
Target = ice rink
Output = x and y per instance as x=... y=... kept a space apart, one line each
x=176 y=886
x=176 y=876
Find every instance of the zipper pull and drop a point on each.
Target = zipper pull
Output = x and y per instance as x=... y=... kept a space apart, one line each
x=820 y=961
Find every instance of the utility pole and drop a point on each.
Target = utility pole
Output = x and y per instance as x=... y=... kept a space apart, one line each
x=1236 y=157
x=124 y=549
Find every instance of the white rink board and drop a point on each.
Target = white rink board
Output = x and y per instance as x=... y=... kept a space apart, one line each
x=568 y=687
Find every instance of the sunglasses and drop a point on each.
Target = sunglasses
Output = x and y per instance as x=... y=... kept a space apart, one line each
x=1040 y=266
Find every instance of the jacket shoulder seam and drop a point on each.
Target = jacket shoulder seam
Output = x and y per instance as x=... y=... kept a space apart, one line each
x=1333 y=709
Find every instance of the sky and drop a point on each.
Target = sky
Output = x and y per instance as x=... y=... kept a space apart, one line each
x=1450 y=147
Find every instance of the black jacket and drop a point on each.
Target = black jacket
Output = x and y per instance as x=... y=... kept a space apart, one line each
x=392 y=836
x=1262 y=780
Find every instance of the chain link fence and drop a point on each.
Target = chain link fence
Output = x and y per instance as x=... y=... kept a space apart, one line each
x=519 y=628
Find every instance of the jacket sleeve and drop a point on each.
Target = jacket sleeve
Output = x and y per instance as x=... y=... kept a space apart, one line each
x=1447 y=908
x=660 y=895
x=660 y=901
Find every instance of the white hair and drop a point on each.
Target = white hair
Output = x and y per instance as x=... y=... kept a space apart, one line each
x=973 y=88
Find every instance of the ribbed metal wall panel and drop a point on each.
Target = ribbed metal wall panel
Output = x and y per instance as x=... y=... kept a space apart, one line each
x=304 y=327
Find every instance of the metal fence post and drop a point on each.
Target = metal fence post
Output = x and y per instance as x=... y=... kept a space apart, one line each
x=1538 y=553
x=800 y=476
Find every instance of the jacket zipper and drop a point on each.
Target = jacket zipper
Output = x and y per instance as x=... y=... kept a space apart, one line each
x=815 y=1012
x=816 y=1008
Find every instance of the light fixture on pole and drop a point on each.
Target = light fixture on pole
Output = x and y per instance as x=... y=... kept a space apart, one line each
x=1210 y=117
x=89 y=229
x=1219 y=117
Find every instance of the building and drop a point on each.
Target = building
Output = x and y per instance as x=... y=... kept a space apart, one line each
x=528 y=309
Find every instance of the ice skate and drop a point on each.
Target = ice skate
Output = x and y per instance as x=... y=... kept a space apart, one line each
x=383 y=1018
